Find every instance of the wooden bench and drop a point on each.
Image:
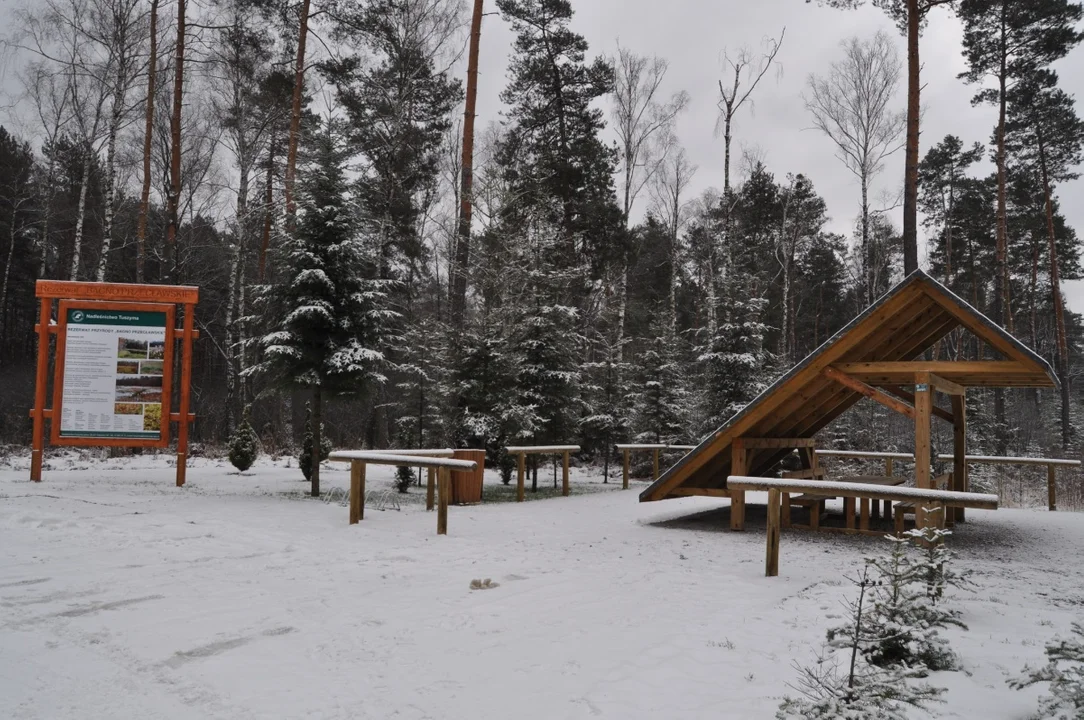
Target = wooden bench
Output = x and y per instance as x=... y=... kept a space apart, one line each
x=861 y=491
x=815 y=502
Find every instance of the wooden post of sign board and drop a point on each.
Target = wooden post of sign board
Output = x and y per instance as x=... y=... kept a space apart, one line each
x=625 y=470
x=564 y=474
x=37 y=448
x=430 y=487
x=521 y=471
x=357 y=492
x=186 y=383
x=444 y=489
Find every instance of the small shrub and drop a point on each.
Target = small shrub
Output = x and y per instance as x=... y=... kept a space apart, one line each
x=244 y=445
x=1064 y=670
x=404 y=477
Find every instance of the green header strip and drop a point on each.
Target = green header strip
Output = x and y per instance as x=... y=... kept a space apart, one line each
x=103 y=434
x=84 y=316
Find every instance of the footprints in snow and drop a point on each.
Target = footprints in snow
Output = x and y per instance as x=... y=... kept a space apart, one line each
x=217 y=648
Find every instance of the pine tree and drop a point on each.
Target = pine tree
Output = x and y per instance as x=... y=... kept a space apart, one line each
x=607 y=398
x=1064 y=670
x=327 y=313
x=244 y=444
x=662 y=398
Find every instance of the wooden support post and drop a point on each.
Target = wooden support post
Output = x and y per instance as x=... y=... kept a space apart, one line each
x=357 y=491
x=521 y=470
x=771 y=568
x=186 y=385
x=564 y=475
x=37 y=451
x=959 y=452
x=923 y=404
x=430 y=487
x=1051 y=487
x=888 y=467
x=444 y=489
x=815 y=515
x=625 y=470
x=785 y=520
x=901 y=518
x=655 y=470
x=739 y=465
x=848 y=511
x=864 y=520
x=875 y=510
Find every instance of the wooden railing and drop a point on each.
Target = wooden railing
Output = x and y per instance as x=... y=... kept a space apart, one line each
x=521 y=463
x=358 y=459
x=431 y=474
x=1051 y=464
x=655 y=449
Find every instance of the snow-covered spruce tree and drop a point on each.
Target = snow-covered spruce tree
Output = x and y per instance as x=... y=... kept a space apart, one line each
x=662 y=399
x=326 y=309
x=933 y=566
x=421 y=363
x=305 y=458
x=733 y=362
x=903 y=623
x=1064 y=670
x=607 y=392
x=863 y=691
x=244 y=443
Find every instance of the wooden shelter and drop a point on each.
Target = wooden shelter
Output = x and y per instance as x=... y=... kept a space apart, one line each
x=878 y=355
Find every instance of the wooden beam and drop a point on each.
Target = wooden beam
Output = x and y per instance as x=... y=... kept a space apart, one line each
x=946 y=386
x=357 y=491
x=1052 y=487
x=959 y=450
x=521 y=471
x=625 y=469
x=872 y=393
x=444 y=489
x=778 y=443
x=909 y=397
x=430 y=487
x=739 y=464
x=908 y=368
x=771 y=563
x=700 y=492
x=564 y=475
x=655 y=465
x=895 y=493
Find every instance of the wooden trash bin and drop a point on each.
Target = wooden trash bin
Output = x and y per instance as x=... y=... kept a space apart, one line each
x=467 y=484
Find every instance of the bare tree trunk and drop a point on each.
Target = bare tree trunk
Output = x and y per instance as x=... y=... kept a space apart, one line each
x=295 y=115
x=47 y=216
x=466 y=198
x=1059 y=307
x=7 y=265
x=910 y=178
x=148 y=135
x=174 y=199
x=81 y=214
x=317 y=438
x=115 y=117
x=231 y=303
x=867 y=254
x=268 y=199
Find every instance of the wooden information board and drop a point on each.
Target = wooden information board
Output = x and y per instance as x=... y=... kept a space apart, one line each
x=114 y=366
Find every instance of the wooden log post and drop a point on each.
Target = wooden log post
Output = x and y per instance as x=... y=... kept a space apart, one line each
x=37 y=451
x=1051 y=487
x=864 y=519
x=785 y=513
x=625 y=470
x=564 y=474
x=521 y=471
x=444 y=489
x=186 y=392
x=655 y=467
x=848 y=512
x=923 y=406
x=357 y=491
x=771 y=568
x=739 y=465
x=430 y=487
x=959 y=451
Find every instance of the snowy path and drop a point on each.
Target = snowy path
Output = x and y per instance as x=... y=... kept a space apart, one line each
x=123 y=597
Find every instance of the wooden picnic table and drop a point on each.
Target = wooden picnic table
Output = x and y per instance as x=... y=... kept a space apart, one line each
x=866 y=507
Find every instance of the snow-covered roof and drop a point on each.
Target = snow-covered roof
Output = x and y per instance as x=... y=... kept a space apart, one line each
x=900 y=326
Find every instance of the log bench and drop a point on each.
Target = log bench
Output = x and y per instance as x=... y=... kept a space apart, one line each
x=865 y=492
x=867 y=507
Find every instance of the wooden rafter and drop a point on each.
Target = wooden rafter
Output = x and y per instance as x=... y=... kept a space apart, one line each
x=909 y=397
x=871 y=392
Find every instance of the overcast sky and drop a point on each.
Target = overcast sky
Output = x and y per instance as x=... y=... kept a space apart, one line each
x=692 y=34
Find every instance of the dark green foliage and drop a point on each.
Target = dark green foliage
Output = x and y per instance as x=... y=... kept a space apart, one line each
x=404 y=478
x=245 y=444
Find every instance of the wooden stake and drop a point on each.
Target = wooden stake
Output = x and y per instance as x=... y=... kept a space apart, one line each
x=625 y=471
x=430 y=487
x=1051 y=487
x=41 y=380
x=186 y=391
x=848 y=511
x=564 y=475
x=888 y=467
x=521 y=470
x=864 y=521
x=655 y=472
x=959 y=451
x=357 y=491
x=923 y=403
x=444 y=482
x=771 y=568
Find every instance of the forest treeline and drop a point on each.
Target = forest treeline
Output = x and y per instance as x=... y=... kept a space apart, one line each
x=301 y=163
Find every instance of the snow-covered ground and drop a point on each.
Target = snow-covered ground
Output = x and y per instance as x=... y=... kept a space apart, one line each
x=122 y=596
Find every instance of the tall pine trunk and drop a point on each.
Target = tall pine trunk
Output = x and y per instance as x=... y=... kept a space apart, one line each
x=174 y=200
x=1003 y=291
x=148 y=136
x=295 y=115
x=1059 y=308
x=268 y=213
x=910 y=180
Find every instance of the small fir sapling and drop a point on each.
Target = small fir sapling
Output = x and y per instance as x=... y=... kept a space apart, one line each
x=1064 y=670
x=933 y=567
x=304 y=460
x=404 y=478
x=244 y=444
x=864 y=691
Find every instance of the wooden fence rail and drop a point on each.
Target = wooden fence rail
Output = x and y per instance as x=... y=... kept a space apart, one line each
x=431 y=472
x=521 y=463
x=358 y=459
x=1051 y=464
x=627 y=449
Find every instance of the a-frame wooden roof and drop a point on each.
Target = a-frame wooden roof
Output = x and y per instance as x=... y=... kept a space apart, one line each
x=878 y=348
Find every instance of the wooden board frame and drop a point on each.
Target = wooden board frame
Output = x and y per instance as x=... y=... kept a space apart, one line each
x=48 y=291
x=61 y=357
